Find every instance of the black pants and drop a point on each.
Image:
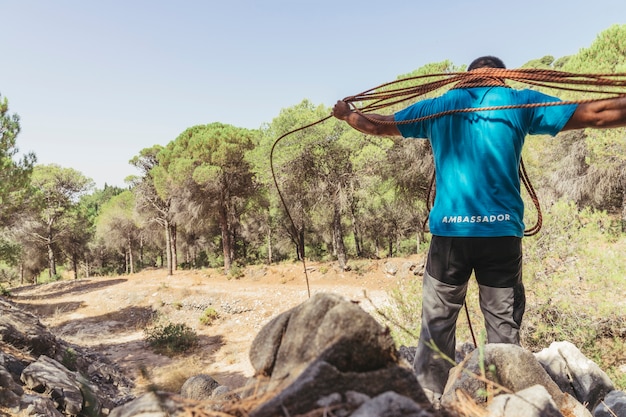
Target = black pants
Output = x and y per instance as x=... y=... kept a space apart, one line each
x=497 y=265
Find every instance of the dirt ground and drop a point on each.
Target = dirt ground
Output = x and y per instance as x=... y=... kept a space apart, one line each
x=110 y=314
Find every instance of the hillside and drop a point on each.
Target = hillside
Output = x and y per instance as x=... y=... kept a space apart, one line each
x=109 y=314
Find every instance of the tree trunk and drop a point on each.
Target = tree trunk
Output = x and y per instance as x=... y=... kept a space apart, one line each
x=338 y=239
x=168 y=249
x=301 y=244
x=75 y=265
x=269 y=244
x=131 y=261
x=377 y=247
x=226 y=249
x=624 y=211
x=141 y=255
x=358 y=240
x=52 y=267
x=174 y=236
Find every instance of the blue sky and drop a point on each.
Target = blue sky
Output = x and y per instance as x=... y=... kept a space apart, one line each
x=96 y=82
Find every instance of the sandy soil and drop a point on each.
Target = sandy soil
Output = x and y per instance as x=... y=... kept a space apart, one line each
x=109 y=314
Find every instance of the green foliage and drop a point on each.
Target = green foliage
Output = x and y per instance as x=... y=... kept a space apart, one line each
x=404 y=312
x=5 y=291
x=117 y=221
x=69 y=359
x=171 y=338
x=541 y=63
x=607 y=54
x=209 y=315
x=14 y=173
x=236 y=272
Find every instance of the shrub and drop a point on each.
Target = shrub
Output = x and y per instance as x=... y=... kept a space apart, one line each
x=69 y=359
x=209 y=315
x=236 y=271
x=171 y=338
x=4 y=291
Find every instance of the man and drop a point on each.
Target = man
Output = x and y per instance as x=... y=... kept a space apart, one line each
x=477 y=218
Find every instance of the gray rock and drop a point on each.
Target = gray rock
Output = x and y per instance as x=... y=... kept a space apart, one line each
x=7 y=383
x=511 y=366
x=391 y=404
x=530 y=402
x=390 y=268
x=321 y=379
x=49 y=376
x=574 y=373
x=326 y=327
x=24 y=331
x=223 y=393
x=148 y=405
x=199 y=387
x=37 y=406
x=9 y=399
x=614 y=404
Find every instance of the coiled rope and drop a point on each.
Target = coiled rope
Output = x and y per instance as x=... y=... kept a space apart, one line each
x=388 y=94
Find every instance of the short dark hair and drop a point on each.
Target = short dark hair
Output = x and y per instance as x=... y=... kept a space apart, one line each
x=486 y=62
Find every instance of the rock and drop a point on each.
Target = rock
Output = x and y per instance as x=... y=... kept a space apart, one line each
x=530 y=402
x=511 y=366
x=199 y=387
x=23 y=330
x=223 y=393
x=326 y=345
x=7 y=383
x=148 y=405
x=574 y=373
x=36 y=406
x=326 y=327
x=50 y=377
x=321 y=379
x=390 y=269
x=614 y=404
x=390 y=404
x=33 y=383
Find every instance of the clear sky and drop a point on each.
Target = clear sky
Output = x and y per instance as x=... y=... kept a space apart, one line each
x=94 y=82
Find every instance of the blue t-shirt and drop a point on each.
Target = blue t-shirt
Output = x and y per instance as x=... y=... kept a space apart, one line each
x=477 y=156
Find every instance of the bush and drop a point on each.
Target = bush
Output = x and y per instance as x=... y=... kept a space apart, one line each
x=236 y=272
x=171 y=338
x=209 y=315
x=4 y=291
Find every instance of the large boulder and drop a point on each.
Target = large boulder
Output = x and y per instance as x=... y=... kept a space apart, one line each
x=575 y=374
x=510 y=366
x=614 y=404
x=507 y=368
x=530 y=402
x=49 y=376
x=326 y=345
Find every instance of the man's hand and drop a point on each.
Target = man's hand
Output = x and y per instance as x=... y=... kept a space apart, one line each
x=341 y=110
x=373 y=124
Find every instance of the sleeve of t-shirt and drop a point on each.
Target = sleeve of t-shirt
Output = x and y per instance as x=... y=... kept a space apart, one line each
x=548 y=120
x=414 y=129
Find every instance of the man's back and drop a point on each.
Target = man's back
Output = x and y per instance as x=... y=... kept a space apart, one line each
x=477 y=156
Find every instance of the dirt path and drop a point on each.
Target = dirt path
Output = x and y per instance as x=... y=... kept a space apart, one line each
x=110 y=314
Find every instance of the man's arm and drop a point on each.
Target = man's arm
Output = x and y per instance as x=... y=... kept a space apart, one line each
x=602 y=114
x=342 y=111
